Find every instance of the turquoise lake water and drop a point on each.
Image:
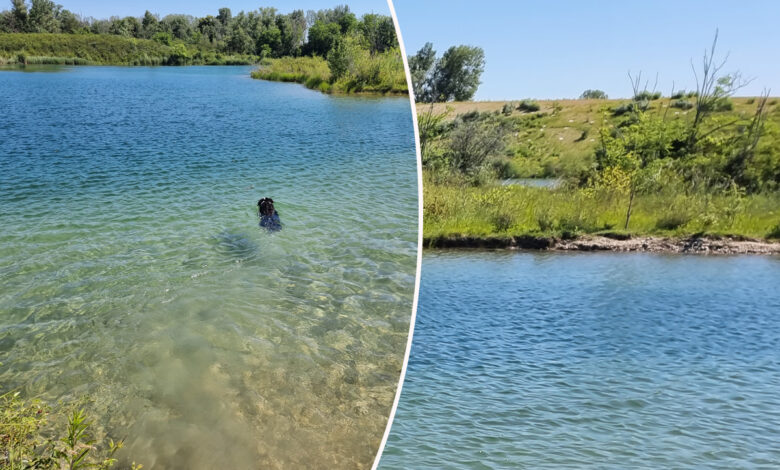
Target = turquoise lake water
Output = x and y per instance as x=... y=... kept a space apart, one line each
x=134 y=272
x=592 y=360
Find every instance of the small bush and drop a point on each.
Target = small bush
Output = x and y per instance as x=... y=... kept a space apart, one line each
x=718 y=105
x=672 y=221
x=678 y=95
x=682 y=104
x=545 y=220
x=750 y=101
x=502 y=222
x=630 y=107
x=528 y=106
x=577 y=223
x=470 y=116
x=508 y=108
x=593 y=95
x=504 y=168
x=775 y=232
x=647 y=96
x=623 y=109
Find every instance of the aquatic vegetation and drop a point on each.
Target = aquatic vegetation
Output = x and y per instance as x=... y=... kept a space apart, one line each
x=31 y=436
x=363 y=72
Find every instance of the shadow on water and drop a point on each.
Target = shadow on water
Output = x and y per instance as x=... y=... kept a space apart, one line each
x=35 y=68
x=236 y=246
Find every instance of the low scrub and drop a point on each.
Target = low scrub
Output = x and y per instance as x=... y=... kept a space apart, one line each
x=682 y=104
x=528 y=106
x=647 y=96
x=33 y=436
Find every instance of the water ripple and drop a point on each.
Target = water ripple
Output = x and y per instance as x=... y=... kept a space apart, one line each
x=133 y=269
x=538 y=360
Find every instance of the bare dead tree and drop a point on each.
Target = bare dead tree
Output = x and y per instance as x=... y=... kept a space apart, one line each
x=738 y=163
x=711 y=88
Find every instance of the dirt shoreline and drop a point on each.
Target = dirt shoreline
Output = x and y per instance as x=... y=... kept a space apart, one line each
x=694 y=244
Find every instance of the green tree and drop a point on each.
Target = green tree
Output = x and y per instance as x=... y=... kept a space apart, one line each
x=238 y=40
x=119 y=27
x=456 y=75
x=19 y=17
x=322 y=36
x=338 y=60
x=178 y=25
x=69 y=23
x=293 y=32
x=209 y=27
x=149 y=24
x=421 y=68
x=379 y=31
x=43 y=17
x=593 y=95
x=629 y=157
x=224 y=16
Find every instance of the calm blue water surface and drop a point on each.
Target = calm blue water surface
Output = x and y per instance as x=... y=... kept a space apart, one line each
x=133 y=270
x=548 y=360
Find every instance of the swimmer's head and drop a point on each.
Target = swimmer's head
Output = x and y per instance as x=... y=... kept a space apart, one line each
x=266 y=206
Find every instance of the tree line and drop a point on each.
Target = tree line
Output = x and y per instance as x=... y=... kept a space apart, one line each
x=453 y=76
x=265 y=32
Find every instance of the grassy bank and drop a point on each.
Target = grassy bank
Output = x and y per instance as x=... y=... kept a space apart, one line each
x=624 y=172
x=506 y=211
x=105 y=49
x=380 y=73
x=559 y=139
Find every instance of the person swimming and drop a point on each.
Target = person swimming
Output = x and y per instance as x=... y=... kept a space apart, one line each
x=269 y=218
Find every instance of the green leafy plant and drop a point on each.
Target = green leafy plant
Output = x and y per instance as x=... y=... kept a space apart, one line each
x=23 y=425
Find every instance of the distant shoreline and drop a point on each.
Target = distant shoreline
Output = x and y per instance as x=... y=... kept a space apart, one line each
x=702 y=245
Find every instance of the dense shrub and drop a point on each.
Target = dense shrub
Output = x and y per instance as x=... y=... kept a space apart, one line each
x=672 y=221
x=508 y=108
x=593 y=95
x=719 y=105
x=528 y=106
x=630 y=107
x=647 y=96
x=682 y=104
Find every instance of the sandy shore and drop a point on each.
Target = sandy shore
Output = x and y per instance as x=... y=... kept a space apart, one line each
x=694 y=244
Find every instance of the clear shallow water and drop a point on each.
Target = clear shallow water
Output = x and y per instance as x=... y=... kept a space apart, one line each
x=544 y=360
x=133 y=269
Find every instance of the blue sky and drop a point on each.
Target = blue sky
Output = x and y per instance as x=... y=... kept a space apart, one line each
x=557 y=49
x=98 y=9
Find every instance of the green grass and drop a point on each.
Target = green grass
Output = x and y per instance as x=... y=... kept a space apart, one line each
x=499 y=211
x=105 y=49
x=560 y=139
x=381 y=74
x=310 y=71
